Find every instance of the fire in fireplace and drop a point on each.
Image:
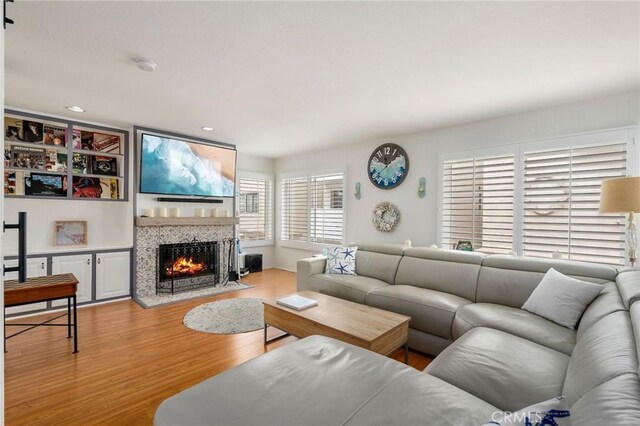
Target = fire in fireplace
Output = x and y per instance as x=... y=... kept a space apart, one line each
x=186 y=266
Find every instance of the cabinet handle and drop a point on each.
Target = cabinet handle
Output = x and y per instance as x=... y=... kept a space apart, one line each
x=42 y=265
x=88 y=261
x=98 y=261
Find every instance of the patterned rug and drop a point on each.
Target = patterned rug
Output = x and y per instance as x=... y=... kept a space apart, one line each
x=154 y=300
x=230 y=316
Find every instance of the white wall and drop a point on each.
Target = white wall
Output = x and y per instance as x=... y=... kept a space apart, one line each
x=418 y=220
x=252 y=163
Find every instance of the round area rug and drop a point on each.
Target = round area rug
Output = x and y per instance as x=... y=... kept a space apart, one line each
x=228 y=316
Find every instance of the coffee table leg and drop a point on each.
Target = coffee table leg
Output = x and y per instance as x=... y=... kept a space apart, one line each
x=406 y=353
x=265 y=333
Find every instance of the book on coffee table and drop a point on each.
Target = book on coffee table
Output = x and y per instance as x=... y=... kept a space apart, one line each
x=296 y=302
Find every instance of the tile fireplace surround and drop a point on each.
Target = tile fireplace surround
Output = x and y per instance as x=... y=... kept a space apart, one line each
x=151 y=232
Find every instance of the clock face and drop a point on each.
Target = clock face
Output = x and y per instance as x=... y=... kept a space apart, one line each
x=388 y=166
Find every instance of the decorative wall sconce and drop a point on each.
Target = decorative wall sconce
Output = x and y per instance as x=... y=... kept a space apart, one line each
x=357 y=193
x=422 y=187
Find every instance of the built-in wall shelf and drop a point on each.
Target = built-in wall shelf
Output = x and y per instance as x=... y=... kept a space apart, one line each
x=185 y=221
x=48 y=157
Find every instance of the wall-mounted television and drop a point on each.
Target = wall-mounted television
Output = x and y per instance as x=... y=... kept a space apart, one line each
x=171 y=166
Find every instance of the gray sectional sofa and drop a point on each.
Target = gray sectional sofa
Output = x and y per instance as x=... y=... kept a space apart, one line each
x=493 y=356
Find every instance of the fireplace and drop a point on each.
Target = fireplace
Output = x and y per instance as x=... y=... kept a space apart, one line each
x=187 y=266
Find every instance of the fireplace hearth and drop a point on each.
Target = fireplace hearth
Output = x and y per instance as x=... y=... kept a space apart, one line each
x=187 y=266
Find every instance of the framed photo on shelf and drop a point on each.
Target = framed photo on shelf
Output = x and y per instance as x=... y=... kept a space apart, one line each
x=70 y=233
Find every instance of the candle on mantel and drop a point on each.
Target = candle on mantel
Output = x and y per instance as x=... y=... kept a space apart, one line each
x=227 y=213
x=175 y=212
x=150 y=212
x=199 y=212
x=163 y=212
x=214 y=212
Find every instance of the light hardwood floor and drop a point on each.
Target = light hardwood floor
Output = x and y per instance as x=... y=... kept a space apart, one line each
x=130 y=360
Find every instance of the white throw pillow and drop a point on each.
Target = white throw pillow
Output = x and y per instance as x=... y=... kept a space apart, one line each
x=543 y=413
x=561 y=299
x=341 y=260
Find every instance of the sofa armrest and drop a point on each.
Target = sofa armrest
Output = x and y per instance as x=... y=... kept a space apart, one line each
x=308 y=267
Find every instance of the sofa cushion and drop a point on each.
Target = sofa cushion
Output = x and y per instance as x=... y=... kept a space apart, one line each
x=430 y=311
x=616 y=402
x=606 y=350
x=348 y=287
x=510 y=280
x=304 y=382
x=628 y=281
x=341 y=260
x=379 y=265
x=449 y=271
x=607 y=302
x=421 y=399
x=514 y=321
x=504 y=370
x=561 y=299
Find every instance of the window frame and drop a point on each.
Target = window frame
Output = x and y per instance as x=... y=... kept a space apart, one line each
x=519 y=149
x=269 y=202
x=308 y=174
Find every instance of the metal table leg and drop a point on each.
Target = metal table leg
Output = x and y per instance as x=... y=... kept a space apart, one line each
x=265 y=333
x=75 y=325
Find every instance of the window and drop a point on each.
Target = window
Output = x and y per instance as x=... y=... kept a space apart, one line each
x=249 y=201
x=539 y=199
x=561 y=202
x=312 y=208
x=295 y=212
x=336 y=199
x=478 y=203
x=255 y=207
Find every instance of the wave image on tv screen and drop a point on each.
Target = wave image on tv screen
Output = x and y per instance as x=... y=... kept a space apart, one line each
x=176 y=167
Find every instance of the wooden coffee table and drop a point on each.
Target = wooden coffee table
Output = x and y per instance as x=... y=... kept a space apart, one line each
x=370 y=328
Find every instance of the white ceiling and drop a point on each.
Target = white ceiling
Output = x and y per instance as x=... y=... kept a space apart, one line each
x=278 y=78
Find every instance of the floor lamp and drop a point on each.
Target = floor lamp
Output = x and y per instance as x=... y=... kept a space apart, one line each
x=622 y=195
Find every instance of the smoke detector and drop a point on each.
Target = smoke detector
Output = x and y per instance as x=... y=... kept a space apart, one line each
x=145 y=65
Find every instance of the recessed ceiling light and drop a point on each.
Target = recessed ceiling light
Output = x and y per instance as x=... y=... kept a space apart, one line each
x=146 y=65
x=75 y=109
x=207 y=128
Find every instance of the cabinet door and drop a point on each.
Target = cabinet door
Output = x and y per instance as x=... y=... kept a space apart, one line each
x=80 y=266
x=36 y=267
x=112 y=274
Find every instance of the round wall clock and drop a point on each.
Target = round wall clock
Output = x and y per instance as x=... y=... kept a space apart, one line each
x=388 y=166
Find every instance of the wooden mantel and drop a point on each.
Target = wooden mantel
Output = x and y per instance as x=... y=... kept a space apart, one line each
x=185 y=221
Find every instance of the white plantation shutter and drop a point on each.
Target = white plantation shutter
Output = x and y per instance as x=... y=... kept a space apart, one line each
x=295 y=212
x=255 y=207
x=561 y=201
x=477 y=200
x=326 y=213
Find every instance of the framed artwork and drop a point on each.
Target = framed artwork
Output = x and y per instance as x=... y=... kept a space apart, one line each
x=70 y=233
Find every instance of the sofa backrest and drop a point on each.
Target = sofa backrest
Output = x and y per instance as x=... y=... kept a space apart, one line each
x=510 y=280
x=449 y=271
x=378 y=260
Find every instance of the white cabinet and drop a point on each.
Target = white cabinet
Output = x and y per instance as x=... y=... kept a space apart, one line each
x=36 y=267
x=79 y=265
x=112 y=274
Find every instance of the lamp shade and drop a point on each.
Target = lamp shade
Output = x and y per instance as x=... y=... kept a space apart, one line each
x=620 y=195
